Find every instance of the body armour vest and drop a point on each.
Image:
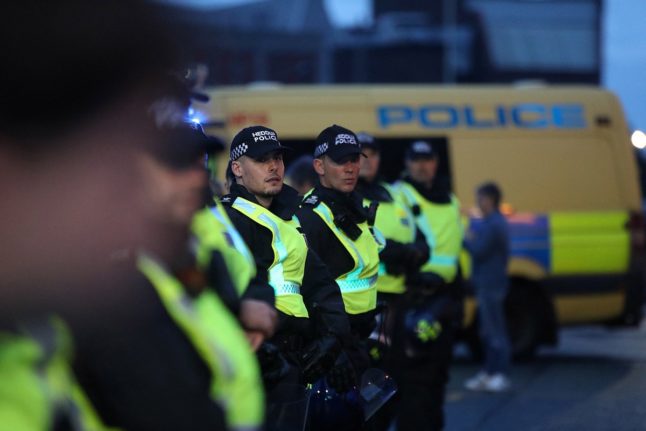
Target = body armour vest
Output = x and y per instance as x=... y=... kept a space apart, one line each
x=442 y=226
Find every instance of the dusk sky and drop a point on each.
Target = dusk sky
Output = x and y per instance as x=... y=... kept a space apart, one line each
x=624 y=45
x=624 y=59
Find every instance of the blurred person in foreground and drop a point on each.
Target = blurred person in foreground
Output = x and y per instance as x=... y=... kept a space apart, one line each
x=77 y=82
x=438 y=282
x=488 y=245
x=301 y=175
x=78 y=79
x=143 y=368
x=182 y=359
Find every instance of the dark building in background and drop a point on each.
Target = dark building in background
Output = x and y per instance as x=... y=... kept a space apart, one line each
x=479 y=41
x=550 y=40
x=267 y=40
x=417 y=41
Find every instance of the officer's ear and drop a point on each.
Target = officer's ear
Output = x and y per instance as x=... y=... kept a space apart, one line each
x=236 y=168
x=319 y=167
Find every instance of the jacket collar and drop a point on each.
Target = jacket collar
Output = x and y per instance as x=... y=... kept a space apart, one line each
x=283 y=205
x=439 y=192
x=346 y=203
x=373 y=191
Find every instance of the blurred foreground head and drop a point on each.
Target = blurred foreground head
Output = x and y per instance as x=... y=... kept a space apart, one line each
x=77 y=81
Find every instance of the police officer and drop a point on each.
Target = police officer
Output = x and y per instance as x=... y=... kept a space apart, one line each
x=338 y=228
x=182 y=361
x=312 y=324
x=406 y=249
x=227 y=265
x=69 y=197
x=405 y=252
x=422 y=380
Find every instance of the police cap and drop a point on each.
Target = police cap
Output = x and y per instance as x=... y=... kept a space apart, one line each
x=337 y=142
x=255 y=142
x=420 y=150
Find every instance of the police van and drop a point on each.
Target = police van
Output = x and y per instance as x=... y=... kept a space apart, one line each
x=561 y=155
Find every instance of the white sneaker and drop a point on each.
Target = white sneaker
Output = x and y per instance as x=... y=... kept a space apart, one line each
x=497 y=383
x=477 y=382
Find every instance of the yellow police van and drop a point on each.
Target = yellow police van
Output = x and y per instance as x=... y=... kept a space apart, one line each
x=561 y=155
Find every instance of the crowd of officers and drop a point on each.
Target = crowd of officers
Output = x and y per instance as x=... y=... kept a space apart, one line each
x=270 y=288
x=139 y=299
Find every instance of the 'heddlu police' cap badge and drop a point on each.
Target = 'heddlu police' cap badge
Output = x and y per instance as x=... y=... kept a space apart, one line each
x=337 y=142
x=255 y=142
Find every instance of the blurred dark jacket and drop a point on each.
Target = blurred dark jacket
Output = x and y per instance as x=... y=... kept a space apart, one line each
x=489 y=249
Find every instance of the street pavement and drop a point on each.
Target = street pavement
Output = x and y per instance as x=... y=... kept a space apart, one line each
x=594 y=380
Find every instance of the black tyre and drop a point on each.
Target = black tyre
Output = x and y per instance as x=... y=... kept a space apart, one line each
x=524 y=322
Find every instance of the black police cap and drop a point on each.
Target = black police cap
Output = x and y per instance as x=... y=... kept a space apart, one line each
x=337 y=142
x=255 y=142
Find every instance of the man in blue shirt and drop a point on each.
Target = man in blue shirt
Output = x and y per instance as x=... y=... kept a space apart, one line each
x=488 y=244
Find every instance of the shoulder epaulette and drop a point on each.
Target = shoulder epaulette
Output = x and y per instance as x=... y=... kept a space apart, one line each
x=227 y=200
x=311 y=200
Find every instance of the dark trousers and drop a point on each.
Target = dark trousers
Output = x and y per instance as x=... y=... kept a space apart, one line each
x=493 y=331
x=421 y=376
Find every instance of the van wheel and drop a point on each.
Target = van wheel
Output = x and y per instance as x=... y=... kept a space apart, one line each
x=472 y=339
x=523 y=323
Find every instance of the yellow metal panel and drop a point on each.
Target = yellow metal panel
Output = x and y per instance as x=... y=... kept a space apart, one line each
x=526 y=268
x=572 y=309
x=469 y=311
x=539 y=174
x=589 y=243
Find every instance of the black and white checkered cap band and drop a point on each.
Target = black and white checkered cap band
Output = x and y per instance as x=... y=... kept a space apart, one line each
x=239 y=151
x=320 y=150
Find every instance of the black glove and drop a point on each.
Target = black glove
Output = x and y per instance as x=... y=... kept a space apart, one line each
x=400 y=258
x=318 y=357
x=342 y=377
x=273 y=365
x=394 y=256
x=419 y=253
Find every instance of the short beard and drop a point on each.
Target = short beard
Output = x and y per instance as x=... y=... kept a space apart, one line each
x=270 y=194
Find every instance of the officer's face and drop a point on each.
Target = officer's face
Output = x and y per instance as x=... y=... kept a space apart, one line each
x=65 y=211
x=422 y=170
x=172 y=196
x=342 y=175
x=369 y=164
x=263 y=176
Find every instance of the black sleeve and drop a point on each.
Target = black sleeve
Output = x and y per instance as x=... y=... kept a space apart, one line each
x=422 y=244
x=323 y=298
x=402 y=258
x=142 y=373
x=259 y=242
x=393 y=253
x=260 y=289
x=315 y=231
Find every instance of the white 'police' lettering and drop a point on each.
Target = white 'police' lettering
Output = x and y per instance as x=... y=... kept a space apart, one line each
x=422 y=147
x=264 y=135
x=344 y=138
